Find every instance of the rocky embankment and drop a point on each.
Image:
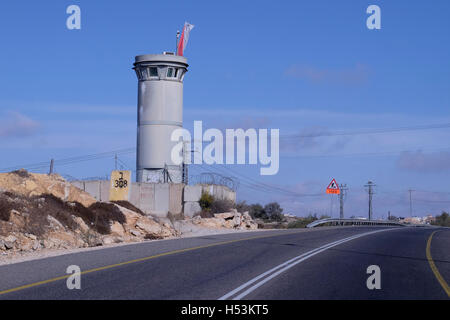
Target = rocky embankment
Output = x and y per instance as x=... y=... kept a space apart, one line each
x=228 y=220
x=39 y=211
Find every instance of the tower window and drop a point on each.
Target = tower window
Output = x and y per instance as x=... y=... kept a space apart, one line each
x=170 y=73
x=153 y=72
x=144 y=74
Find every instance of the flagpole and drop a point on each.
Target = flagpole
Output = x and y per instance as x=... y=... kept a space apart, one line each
x=176 y=42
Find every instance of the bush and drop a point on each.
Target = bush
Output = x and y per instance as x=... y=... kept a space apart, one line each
x=274 y=211
x=243 y=207
x=5 y=207
x=258 y=212
x=103 y=213
x=219 y=206
x=206 y=201
x=442 y=220
x=302 y=222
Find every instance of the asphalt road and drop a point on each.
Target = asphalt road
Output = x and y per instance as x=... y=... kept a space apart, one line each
x=323 y=263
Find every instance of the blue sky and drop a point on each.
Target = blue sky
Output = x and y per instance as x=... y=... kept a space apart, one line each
x=301 y=66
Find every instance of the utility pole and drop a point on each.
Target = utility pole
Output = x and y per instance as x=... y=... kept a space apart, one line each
x=52 y=163
x=342 y=188
x=370 y=185
x=410 y=202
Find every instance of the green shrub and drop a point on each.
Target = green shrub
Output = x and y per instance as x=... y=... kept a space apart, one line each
x=274 y=211
x=442 y=220
x=302 y=222
x=206 y=201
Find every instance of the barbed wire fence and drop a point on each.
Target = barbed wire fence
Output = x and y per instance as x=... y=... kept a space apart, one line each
x=216 y=179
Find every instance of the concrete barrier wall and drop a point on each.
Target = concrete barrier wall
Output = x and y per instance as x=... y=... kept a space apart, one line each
x=192 y=195
x=160 y=198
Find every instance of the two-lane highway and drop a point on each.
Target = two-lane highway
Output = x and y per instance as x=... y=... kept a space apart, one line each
x=323 y=263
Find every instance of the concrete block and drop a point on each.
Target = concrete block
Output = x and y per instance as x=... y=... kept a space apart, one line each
x=104 y=190
x=161 y=198
x=176 y=198
x=93 y=188
x=147 y=197
x=190 y=208
x=209 y=188
x=135 y=194
x=192 y=193
x=78 y=184
x=218 y=192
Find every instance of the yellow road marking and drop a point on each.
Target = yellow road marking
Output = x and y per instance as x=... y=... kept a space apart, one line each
x=139 y=260
x=434 y=268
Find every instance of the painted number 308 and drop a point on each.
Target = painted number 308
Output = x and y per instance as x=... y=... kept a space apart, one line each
x=121 y=182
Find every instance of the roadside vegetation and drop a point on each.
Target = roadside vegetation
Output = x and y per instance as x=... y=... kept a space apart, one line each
x=269 y=216
x=442 y=220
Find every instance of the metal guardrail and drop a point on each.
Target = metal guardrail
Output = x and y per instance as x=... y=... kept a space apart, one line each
x=353 y=222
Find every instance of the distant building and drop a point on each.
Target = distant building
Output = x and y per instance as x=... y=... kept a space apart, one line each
x=419 y=220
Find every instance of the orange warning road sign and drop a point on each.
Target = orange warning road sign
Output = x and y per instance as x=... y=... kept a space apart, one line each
x=333 y=187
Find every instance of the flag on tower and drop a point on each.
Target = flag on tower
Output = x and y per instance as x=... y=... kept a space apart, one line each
x=184 y=38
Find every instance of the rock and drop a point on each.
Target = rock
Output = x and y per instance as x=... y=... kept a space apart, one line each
x=246 y=216
x=252 y=225
x=225 y=215
x=215 y=223
x=197 y=220
x=30 y=236
x=108 y=240
x=9 y=245
x=136 y=233
x=237 y=221
x=117 y=229
x=29 y=184
x=2 y=245
x=148 y=227
x=26 y=244
x=17 y=219
x=84 y=228
x=54 y=224
x=10 y=239
x=36 y=245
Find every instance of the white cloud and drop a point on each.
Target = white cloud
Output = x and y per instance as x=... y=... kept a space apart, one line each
x=356 y=75
x=16 y=125
x=425 y=162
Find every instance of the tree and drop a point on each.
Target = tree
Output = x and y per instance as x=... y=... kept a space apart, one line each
x=257 y=211
x=442 y=220
x=274 y=211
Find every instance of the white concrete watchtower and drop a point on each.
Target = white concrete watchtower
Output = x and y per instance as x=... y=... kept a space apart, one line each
x=160 y=111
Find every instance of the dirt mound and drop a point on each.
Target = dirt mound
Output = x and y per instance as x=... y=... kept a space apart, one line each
x=42 y=211
x=34 y=184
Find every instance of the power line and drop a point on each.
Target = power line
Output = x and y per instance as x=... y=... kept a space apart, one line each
x=71 y=160
x=367 y=131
